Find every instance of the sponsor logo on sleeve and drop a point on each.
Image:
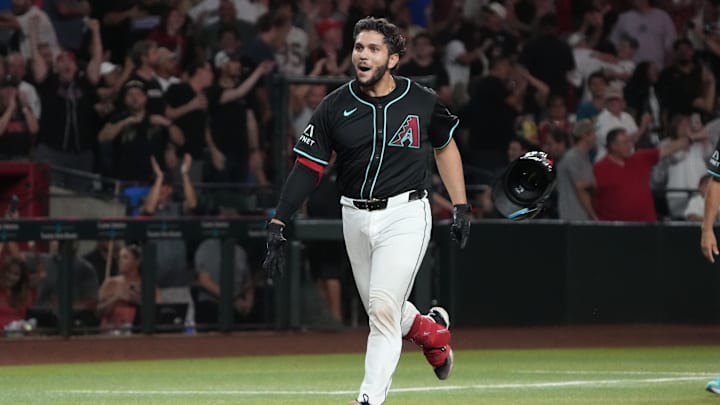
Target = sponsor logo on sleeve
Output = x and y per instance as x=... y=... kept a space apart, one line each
x=307 y=135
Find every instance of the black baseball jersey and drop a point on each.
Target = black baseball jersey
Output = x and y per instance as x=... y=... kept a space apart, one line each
x=713 y=163
x=382 y=143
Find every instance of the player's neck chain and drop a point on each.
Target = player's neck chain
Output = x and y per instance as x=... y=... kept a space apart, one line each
x=392 y=88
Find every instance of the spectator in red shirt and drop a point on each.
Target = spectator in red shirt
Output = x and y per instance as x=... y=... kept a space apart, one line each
x=623 y=178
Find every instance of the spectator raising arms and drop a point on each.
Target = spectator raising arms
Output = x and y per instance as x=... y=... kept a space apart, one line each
x=68 y=100
x=173 y=273
x=187 y=105
x=623 y=178
x=30 y=18
x=234 y=138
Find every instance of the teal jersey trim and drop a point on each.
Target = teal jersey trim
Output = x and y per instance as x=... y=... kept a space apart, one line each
x=314 y=159
x=714 y=173
x=372 y=107
x=382 y=153
x=452 y=131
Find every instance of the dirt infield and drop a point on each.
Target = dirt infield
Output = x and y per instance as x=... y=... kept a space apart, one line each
x=36 y=350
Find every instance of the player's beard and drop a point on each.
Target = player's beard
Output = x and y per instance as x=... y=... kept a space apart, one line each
x=375 y=78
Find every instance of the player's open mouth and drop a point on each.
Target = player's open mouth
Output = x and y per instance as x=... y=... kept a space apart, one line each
x=364 y=68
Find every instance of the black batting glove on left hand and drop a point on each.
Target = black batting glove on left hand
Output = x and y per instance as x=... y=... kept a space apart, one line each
x=460 y=228
x=274 y=263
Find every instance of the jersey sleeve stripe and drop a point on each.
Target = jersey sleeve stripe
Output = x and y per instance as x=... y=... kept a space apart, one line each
x=450 y=137
x=312 y=165
x=715 y=174
x=314 y=159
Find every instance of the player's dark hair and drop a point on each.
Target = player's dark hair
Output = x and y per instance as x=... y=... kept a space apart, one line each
x=393 y=38
x=612 y=135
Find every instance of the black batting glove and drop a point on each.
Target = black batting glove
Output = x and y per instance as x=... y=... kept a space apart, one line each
x=274 y=263
x=460 y=228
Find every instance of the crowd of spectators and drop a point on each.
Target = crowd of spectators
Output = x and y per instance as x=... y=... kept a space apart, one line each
x=622 y=94
x=104 y=86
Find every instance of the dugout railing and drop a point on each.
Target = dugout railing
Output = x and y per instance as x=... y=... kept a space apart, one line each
x=542 y=272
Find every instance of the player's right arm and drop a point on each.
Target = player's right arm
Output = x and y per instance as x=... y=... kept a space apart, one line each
x=313 y=151
x=708 y=243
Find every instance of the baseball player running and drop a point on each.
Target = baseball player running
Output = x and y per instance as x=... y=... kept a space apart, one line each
x=708 y=243
x=383 y=129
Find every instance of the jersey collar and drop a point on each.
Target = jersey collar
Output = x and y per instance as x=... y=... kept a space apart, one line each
x=401 y=85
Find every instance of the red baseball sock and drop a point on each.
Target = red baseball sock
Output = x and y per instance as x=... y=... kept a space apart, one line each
x=432 y=337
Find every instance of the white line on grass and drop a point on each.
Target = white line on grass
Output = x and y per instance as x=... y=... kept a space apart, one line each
x=622 y=372
x=486 y=387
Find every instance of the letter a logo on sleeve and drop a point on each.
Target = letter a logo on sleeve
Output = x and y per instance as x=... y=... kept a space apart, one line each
x=408 y=134
x=309 y=130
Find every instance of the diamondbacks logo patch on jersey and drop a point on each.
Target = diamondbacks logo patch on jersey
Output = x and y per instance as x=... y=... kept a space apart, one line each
x=408 y=134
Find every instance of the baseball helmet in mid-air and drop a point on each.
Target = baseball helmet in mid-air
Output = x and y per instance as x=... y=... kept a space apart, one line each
x=524 y=185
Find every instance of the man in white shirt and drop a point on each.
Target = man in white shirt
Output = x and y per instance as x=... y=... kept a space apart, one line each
x=614 y=116
x=206 y=11
x=587 y=62
x=24 y=11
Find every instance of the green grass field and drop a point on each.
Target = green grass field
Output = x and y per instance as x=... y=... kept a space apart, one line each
x=498 y=377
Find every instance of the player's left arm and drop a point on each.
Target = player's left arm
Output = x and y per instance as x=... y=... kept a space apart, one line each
x=708 y=242
x=447 y=156
x=449 y=166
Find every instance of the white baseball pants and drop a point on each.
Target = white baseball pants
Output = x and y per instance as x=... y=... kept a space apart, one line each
x=386 y=248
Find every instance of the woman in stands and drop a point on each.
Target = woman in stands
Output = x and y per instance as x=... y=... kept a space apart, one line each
x=120 y=296
x=16 y=293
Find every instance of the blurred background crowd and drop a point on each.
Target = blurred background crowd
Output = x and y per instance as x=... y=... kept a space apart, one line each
x=167 y=96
